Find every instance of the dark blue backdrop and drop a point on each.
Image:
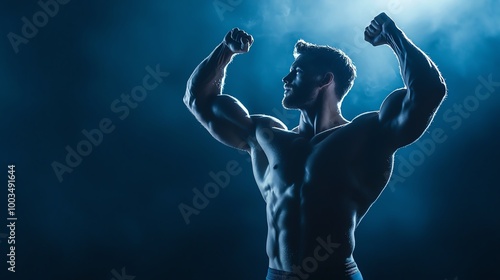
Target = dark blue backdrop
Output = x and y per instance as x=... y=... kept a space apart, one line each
x=67 y=71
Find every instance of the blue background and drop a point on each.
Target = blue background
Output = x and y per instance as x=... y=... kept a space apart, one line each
x=119 y=207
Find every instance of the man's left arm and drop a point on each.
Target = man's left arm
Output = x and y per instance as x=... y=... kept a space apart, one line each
x=406 y=113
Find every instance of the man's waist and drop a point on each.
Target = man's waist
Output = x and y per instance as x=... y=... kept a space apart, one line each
x=323 y=248
x=312 y=269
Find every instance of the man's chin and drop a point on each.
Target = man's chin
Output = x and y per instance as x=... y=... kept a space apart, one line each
x=287 y=104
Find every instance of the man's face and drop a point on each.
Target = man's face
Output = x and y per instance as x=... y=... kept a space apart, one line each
x=301 y=84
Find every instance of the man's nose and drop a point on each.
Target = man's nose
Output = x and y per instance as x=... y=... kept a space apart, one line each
x=287 y=78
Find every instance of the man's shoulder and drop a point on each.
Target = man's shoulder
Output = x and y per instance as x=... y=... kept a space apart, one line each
x=261 y=120
x=366 y=124
x=371 y=116
x=366 y=120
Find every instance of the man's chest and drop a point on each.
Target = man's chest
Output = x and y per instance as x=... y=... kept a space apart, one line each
x=284 y=158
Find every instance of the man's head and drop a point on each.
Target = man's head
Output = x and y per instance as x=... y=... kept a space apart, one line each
x=317 y=69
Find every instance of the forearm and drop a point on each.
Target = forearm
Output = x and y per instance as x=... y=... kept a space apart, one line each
x=208 y=77
x=420 y=74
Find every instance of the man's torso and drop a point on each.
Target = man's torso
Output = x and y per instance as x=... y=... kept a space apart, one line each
x=317 y=190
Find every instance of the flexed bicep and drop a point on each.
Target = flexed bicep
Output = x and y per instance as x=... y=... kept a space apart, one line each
x=407 y=112
x=222 y=115
x=227 y=120
x=405 y=117
x=402 y=119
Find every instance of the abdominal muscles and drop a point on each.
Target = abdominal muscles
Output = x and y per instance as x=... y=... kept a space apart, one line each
x=302 y=218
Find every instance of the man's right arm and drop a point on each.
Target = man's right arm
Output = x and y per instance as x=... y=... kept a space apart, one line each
x=222 y=115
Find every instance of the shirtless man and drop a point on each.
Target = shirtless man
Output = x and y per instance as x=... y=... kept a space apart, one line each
x=319 y=179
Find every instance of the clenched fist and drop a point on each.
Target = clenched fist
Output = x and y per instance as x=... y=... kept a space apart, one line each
x=238 y=41
x=376 y=33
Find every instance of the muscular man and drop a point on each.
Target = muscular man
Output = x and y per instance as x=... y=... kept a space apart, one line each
x=320 y=178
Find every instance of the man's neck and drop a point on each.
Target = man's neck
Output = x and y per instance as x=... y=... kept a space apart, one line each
x=320 y=118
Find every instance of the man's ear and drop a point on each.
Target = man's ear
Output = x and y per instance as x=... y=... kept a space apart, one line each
x=327 y=79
